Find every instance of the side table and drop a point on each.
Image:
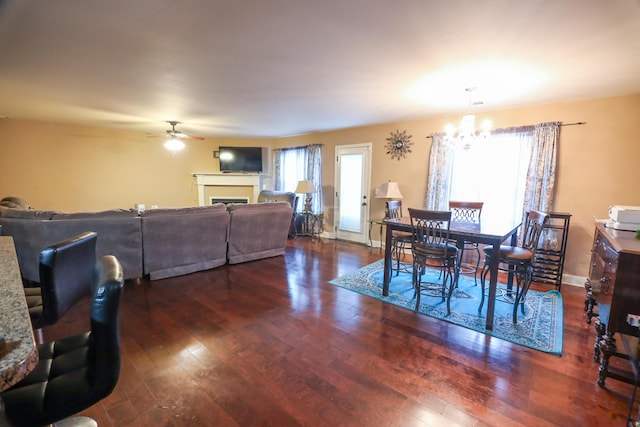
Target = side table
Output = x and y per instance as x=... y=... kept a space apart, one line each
x=371 y=224
x=311 y=224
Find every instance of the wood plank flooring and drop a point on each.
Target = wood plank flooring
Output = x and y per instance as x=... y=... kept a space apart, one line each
x=270 y=343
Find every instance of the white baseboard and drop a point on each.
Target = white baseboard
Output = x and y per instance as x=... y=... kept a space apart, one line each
x=572 y=280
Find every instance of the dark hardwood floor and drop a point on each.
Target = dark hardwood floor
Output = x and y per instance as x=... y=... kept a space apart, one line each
x=271 y=343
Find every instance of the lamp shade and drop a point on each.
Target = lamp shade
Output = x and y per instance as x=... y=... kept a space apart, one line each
x=388 y=190
x=306 y=186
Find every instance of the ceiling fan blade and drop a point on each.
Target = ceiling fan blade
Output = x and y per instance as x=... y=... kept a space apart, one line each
x=199 y=138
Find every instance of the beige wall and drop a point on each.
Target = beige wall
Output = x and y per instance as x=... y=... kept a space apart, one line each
x=63 y=167
x=69 y=168
x=597 y=161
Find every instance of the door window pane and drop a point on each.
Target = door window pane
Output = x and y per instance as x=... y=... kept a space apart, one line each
x=350 y=192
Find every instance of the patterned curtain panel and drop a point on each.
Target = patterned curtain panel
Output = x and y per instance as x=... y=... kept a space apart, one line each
x=541 y=177
x=278 y=182
x=314 y=173
x=439 y=176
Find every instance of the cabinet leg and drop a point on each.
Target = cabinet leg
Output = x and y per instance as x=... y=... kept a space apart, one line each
x=589 y=303
x=600 y=331
x=607 y=348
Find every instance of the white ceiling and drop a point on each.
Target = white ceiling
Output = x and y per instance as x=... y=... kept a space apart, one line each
x=268 y=68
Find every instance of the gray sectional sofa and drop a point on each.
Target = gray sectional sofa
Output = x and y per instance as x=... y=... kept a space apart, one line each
x=162 y=242
x=258 y=230
x=119 y=234
x=183 y=240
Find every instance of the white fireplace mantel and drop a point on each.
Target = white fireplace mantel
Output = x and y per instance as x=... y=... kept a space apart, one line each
x=203 y=180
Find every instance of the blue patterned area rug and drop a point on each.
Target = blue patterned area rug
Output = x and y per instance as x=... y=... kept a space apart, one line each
x=540 y=327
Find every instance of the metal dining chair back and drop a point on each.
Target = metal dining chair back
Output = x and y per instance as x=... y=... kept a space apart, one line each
x=400 y=240
x=462 y=211
x=469 y=212
x=431 y=247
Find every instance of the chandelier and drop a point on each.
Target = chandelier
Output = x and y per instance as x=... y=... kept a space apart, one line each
x=466 y=133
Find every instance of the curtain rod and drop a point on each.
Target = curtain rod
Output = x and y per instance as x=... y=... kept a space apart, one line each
x=572 y=124
x=561 y=124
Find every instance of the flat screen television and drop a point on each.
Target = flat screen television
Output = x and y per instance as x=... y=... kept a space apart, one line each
x=240 y=159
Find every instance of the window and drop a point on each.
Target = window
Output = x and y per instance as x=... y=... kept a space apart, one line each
x=292 y=168
x=493 y=171
x=299 y=163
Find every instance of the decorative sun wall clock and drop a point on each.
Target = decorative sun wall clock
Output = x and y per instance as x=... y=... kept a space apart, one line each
x=399 y=144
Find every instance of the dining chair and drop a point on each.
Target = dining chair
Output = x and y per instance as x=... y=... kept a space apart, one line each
x=469 y=212
x=431 y=247
x=519 y=259
x=400 y=240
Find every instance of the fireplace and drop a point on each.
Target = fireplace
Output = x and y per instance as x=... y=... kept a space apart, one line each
x=228 y=200
x=257 y=182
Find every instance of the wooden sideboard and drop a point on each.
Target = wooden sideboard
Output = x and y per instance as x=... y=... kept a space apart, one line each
x=612 y=294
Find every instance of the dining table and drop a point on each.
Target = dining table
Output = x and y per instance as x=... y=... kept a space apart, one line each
x=487 y=231
x=18 y=350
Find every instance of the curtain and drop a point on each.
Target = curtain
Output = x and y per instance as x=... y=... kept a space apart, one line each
x=291 y=165
x=439 y=175
x=521 y=159
x=314 y=173
x=277 y=166
x=541 y=176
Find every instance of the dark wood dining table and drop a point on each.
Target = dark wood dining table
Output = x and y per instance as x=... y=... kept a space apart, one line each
x=486 y=232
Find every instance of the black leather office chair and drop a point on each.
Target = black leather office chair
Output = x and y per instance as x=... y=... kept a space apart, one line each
x=66 y=275
x=74 y=372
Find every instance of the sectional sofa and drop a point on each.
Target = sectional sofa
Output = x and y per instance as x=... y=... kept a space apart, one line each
x=159 y=243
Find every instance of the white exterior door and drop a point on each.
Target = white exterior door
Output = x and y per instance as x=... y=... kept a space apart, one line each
x=353 y=185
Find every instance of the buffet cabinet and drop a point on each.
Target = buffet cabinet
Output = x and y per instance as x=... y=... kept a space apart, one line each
x=612 y=300
x=548 y=263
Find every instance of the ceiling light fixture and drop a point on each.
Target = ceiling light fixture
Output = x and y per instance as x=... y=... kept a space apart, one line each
x=466 y=133
x=174 y=144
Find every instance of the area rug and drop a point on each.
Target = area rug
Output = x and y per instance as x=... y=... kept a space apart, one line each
x=540 y=327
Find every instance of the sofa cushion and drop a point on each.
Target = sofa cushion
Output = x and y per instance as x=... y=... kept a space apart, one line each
x=113 y=213
x=277 y=196
x=28 y=214
x=190 y=210
x=257 y=230
x=256 y=206
x=185 y=240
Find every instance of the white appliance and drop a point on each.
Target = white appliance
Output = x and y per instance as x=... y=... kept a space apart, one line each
x=624 y=218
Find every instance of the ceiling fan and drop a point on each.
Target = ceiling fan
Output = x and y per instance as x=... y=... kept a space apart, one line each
x=174 y=134
x=174 y=137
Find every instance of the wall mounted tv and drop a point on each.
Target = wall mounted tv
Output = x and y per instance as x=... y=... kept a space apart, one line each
x=240 y=159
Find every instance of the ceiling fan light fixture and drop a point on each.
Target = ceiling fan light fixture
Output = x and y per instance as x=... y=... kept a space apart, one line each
x=174 y=144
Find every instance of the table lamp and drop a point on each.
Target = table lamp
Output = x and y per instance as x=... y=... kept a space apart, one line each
x=307 y=187
x=388 y=190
